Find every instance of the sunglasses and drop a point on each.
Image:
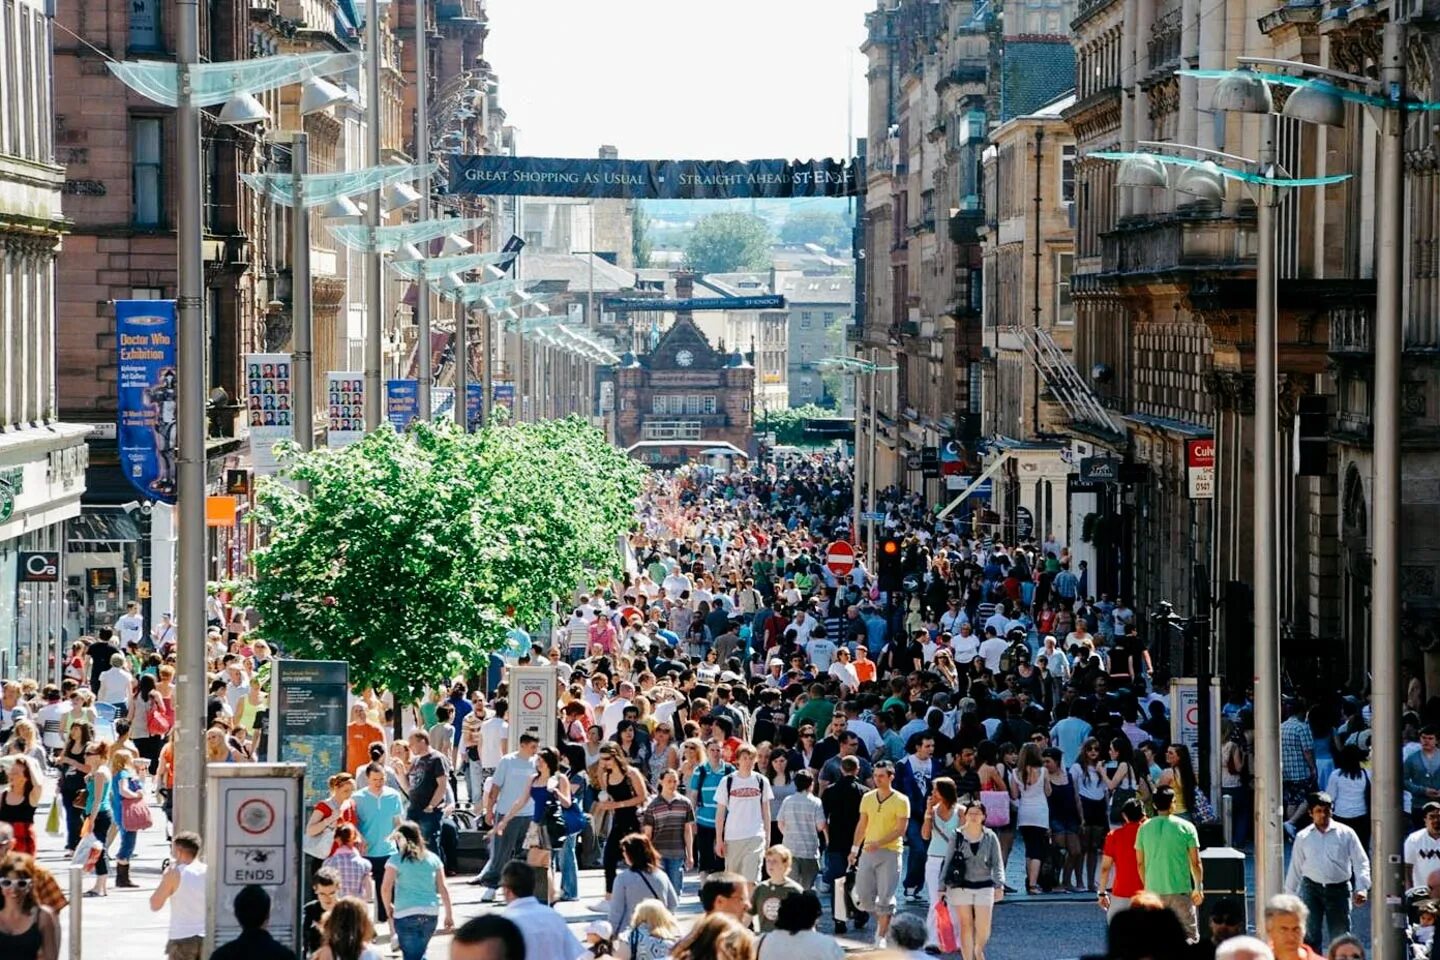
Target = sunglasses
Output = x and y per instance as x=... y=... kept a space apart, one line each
x=10 y=883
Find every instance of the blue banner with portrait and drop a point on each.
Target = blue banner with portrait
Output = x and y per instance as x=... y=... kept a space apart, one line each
x=402 y=403
x=652 y=179
x=148 y=396
x=474 y=406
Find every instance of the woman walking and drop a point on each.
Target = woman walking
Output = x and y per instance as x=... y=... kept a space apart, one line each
x=996 y=779
x=642 y=880
x=1093 y=788
x=97 y=811
x=1179 y=775
x=348 y=932
x=72 y=780
x=149 y=723
x=1349 y=787
x=622 y=794
x=127 y=790
x=28 y=931
x=23 y=788
x=942 y=819
x=1031 y=787
x=414 y=891
x=777 y=771
x=974 y=881
x=548 y=785
x=1120 y=778
x=1065 y=814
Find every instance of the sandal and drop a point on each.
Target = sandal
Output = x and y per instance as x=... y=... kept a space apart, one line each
x=1032 y=890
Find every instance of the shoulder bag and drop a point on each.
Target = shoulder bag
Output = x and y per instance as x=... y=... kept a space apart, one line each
x=134 y=811
x=319 y=845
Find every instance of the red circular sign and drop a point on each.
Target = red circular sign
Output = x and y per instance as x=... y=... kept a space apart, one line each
x=255 y=816
x=840 y=558
x=532 y=699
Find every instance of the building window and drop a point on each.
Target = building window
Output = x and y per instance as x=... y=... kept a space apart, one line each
x=145 y=24
x=709 y=405
x=146 y=293
x=1064 y=306
x=1067 y=173
x=829 y=318
x=145 y=144
x=658 y=404
x=672 y=430
x=805 y=319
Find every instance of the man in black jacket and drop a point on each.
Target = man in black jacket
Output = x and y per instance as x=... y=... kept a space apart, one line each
x=841 y=802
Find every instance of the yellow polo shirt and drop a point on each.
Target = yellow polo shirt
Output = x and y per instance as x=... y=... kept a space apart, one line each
x=885 y=817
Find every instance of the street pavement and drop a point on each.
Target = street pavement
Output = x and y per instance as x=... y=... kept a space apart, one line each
x=121 y=926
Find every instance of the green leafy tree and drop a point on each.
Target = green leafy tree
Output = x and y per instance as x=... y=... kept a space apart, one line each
x=725 y=242
x=641 y=246
x=824 y=228
x=414 y=555
x=789 y=425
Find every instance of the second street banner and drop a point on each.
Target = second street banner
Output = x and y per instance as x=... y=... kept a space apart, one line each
x=345 y=393
x=269 y=401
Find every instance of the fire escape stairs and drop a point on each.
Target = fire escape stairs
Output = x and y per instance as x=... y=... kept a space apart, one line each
x=1063 y=380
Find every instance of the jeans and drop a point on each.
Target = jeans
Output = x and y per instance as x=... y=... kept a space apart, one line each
x=674 y=868
x=474 y=782
x=705 y=859
x=414 y=933
x=429 y=824
x=916 y=849
x=563 y=860
x=1329 y=907
x=127 y=845
x=505 y=845
x=377 y=874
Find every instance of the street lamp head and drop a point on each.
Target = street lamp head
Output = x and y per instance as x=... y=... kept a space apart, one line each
x=1317 y=102
x=1203 y=182
x=455 y=245
x=408 y=251
x=1243 y=91
x=399 y=195
x=1142 y=170
x=241 y=109
x=341 y=208
x=317 y=94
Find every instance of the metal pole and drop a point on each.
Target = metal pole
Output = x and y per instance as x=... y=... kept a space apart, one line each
x=77 y=906
x=855 y=474
x=301 y=300
x=870 y=466
x=487 y=365
x=374 y=264
x=1387 y=913
x=1269 y=841
x=422 y=155
x=462 y=364
x=192 y=557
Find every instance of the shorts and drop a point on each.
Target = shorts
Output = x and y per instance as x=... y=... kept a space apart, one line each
x=1037 y=842
x=537 y=837
x=966 y=897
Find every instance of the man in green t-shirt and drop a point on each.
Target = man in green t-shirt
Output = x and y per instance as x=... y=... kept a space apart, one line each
x=1167 y=852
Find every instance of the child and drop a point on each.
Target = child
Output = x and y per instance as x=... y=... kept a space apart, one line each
x=598 y=936
x=1423 y=933
x=765 y=901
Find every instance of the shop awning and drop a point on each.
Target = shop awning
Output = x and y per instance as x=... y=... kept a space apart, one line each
x=112 y=525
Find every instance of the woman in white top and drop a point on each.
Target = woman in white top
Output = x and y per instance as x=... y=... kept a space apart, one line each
x=795 y=934
x=1349 y=787
x=942 y=819
x=1031 y=786
x=1092 y=788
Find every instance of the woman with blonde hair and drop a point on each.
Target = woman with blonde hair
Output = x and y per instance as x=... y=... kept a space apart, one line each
x=126 y=785
x=25 y=742
x=653 y=933
x=97 y=811
x=1031 y=787
x=716 y=937
x=348 y=932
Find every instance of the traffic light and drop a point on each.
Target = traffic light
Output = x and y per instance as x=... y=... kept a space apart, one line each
x=888 y=561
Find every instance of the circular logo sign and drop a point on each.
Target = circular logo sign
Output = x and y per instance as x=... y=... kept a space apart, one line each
x=255 y=817
x=532 y=699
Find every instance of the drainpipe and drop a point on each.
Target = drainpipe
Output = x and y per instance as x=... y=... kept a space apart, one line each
x=1035 y=305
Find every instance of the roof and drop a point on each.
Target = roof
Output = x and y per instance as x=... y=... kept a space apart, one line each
x=798 y=288
x=1033 y=72
x=1169 y=424
x=1055 y=108
x=574 y=268
x=747 y=284
x=712 y=447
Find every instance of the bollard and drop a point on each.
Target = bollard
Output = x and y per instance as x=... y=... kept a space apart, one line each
x=77 y=897
x=1227 y=818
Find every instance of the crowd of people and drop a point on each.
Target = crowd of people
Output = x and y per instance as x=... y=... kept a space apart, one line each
x=808 y=754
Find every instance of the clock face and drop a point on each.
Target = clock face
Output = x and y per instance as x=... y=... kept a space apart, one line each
x=684 y=358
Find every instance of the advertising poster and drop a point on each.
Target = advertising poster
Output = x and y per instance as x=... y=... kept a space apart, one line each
x=309 y=708
x=268 y=401
x=505 y=397
x=442 y=403
x=345 y=393
x=474 y=406
x=146 y=416
x=402 y=403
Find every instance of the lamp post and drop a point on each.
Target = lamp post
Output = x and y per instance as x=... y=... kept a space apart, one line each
x=422 y=154
x=374 y=279
x=300 y=296
x=866 y=368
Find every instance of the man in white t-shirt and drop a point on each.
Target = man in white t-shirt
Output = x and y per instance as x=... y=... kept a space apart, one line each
x=821 y=650
x=953 y=616
x=615 y=711
x=742 y=816
x=966 y=646
x=991 y=648
x=131 y=626
x=1422 y=848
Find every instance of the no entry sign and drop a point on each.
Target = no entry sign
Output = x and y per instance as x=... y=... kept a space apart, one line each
x=840 y=558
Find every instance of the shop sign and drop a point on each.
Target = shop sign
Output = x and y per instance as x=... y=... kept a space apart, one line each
x=1200 y=468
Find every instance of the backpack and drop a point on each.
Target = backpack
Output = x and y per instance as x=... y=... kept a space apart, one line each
x=1010 y=659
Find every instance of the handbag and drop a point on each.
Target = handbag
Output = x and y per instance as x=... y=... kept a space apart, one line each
x=997 y=808
x=576 y=819
x=135 y=813
x=556 y=827
x=161 y=719
x=52 y=822
x=320 y=845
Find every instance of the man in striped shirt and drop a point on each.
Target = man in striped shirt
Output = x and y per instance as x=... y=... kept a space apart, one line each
x=802 y=822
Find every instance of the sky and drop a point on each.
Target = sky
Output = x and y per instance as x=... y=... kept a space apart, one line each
x=680 y=79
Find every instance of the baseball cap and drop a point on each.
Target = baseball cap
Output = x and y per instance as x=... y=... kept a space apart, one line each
x=776 y=662
x=599 y=928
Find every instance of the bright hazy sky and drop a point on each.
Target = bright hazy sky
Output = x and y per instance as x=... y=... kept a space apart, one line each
x=680 y=79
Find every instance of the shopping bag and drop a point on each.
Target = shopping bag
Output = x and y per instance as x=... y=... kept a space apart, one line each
x=87 y=853
x=52 y=822
x=842 y=912
x=945 y=929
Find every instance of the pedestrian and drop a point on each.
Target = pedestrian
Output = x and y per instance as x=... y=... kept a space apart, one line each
x=1031 y=788
x=28 y=930
x=349 y=865
x=545 y=932
x=668 y=820
x=338 y=807
x=1092 y=787
x=1066 y=814
x=973 y=879
x=71 y=762
x=1119 y=878
x=428 y=784
x=510 y=782
x=1285 y=918
x=252 y=912
x=795 y=935
x=1345 y=947
x=653 y=932
x=1297 y=764
x=767 y=896
x=641 y=880
x=547 y=786
x=716 y=937
x=1247 y=948
x=488 y=937
x=1349 y=786
x=908 y=934
x=941 y=821
x=379 y=809
x=183 y=888
x=47 y=890
x=348 y=932
x=24 y=786
x=913 y=776
x=414 y=890
x=1422 y=848
x=326 y=886
x=802 y=823
x=704 y=784
x=97 y=813
x=726 y=893
x=1422 y=771
x=742 y=816
x=1168 y=858
x=127 y=791
x=884 y=818
x=1329 y=871
x=622 y=794
x=841 y=806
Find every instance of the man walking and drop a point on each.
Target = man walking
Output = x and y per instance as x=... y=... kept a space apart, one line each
x=1422 y=848
x=884 y=817
x=379 y=809
x=841 y=807
x=802 y=822
x=1119 y=872
x=913 y=778
x=511 y=781
x=183 y=887
x=545 y=931
x=1422 y=771
x=1297 y=763
x=1326 y=860
x=1167 y=853
x=669 y=822
x=428 y=784
x=742 y=816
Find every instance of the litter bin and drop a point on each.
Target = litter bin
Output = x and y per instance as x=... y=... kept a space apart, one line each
x=1224 y=877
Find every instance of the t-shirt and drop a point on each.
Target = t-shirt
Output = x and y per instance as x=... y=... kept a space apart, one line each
x=704 y=783
x=743 y=798
x=425 y=772
x=1165 y=843
x=991 y=650
x=1120 y=848
x=358 y=737
x=377 y=819
x=100 y=653
x=822 y=651
x=966 y=648
x=415 y=892
x=1422 y=852
x=493 y=733
x=885 y=817
x=765 y=900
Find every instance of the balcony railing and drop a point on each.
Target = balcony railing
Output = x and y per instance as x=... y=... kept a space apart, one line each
x=1351 y=329
x=1175 y=243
